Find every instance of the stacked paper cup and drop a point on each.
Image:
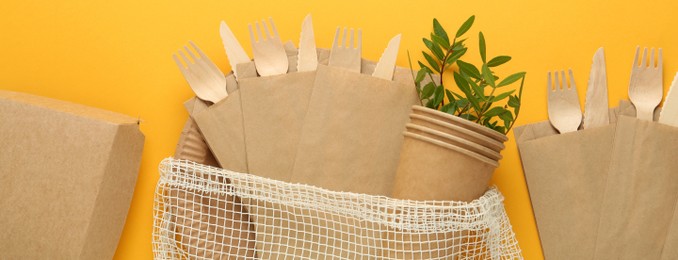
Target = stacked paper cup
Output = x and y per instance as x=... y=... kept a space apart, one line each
x=445 y=157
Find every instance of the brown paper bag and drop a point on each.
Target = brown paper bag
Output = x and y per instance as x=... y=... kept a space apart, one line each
x=641 y=191
x=566 y=175
x=353 y=131
x=670 y=250
x=67 y=175
x=274 y=109
x=222 y=126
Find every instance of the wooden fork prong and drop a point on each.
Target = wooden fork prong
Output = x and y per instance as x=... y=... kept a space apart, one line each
x=198 y=50
x=352 y=44
x=274 y=30
x=549 y=82
x=651 y=65
x=266 y=32
x=636 y=62
x=249 y=26
x=572 y=85
x=360 y=39
x=343 y=39
x=335 y=44
x=259 y=34
x=195 y=59
x=185 y=59
x=660 y=59
x=643 y=61
x=557 y=81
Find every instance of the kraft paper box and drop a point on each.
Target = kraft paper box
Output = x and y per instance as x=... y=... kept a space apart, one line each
x=67 y=175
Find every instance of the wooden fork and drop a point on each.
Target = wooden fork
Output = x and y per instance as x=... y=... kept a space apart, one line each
x=563 y=103
x=346 y=56
x=645 y=88
x=269 y=54
x=204 y=77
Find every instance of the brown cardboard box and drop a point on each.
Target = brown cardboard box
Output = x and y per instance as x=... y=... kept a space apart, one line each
x=67 y=175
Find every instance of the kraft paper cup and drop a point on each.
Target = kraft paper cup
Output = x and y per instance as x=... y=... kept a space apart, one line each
x=431 y=169
x=455 y=120
x=457 y=131
x=454 y=140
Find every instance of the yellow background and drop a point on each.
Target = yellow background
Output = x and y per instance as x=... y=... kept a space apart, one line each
x=115 y=55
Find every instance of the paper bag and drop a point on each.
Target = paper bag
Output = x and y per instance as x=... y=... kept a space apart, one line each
x=565 y=176
x=641 y=191
x=67 y=175
x=222 y=126
x=274 y=109
x=353 y=131
x=670 y=250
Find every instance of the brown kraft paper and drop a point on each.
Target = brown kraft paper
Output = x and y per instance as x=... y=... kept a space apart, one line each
x=353 y=131
x=67 y=175
x=274 y=109
x=641 y=191
x=566 y=174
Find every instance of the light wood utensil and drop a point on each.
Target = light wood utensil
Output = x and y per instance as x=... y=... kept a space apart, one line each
x=236 y=54
x=269 y=54
x=669 y=114
x=307 y=60
x=204 y=77
x=563 y=103
x=347 y=56
x=645 y=88
x=596 y=110
x=386 y=65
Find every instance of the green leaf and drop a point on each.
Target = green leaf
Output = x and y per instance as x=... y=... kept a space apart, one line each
x=449 y=95
x=439 y=31
x=424 y=67
x=495 y=111
x=465 y=26
x=439 y=95
x=510 y=79
x=435 y=49
x=500 y=129
x=459 y=45
x=428 y=90
x=469 y=116
x=462 y=84
x=502 y=96
x=455 y=56
x=513 y=101
x=421 y=74
x=499 y=60
x=449 y=108
x=480 y=91
x=507 y=117
x=488 y=76
x=483 y=54
x=431 y=61
x=440 y=41
x=469 y=69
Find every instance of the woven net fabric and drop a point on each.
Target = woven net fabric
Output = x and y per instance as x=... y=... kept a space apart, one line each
x=201 y=212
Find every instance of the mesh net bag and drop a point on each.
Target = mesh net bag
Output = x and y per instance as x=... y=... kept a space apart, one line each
x=202 y=212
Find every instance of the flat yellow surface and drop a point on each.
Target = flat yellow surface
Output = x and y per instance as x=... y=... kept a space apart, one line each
x=115 y=55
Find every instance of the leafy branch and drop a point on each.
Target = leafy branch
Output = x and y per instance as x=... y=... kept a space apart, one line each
x=475 y=97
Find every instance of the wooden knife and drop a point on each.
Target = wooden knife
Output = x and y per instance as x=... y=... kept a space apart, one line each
x=236 y=54
x=386 y=65
x=596 y=111
x=308 y=56
x=669 y=114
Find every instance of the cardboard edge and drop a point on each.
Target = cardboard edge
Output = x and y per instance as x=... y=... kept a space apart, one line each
x=105 y=229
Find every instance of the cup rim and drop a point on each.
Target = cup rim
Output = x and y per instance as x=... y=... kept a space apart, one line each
x=452 y=147
x=459 y=142
x=493 y=143
x=481 y=129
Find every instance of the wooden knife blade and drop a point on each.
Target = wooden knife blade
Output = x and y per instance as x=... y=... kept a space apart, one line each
x=596 y=111
x=669 y=113
x=236 y=54
x=386 y=65
x=308 y=56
